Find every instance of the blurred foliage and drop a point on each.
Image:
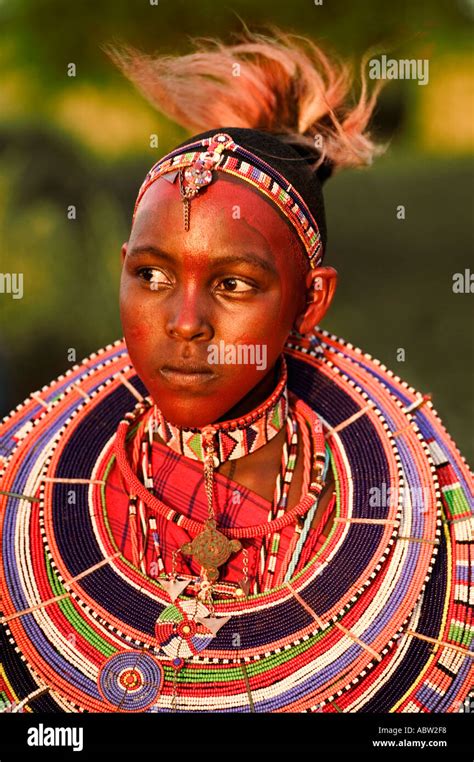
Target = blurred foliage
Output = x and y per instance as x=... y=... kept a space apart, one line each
x=50 y=33
x=85 y=141
x=396 y=276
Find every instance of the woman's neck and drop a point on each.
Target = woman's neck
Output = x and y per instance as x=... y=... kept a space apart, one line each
x=255 y=396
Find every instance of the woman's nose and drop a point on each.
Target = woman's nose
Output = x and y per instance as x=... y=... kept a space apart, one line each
x=188 y=319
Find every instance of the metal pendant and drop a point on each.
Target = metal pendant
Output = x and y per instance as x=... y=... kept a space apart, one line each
x=211 y=549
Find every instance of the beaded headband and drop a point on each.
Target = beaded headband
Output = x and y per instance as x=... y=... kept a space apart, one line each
x=195 y=169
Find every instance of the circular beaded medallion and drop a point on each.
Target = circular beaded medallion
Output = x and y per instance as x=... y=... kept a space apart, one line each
x=131 y=681
x=379 y=620
x=178 y=631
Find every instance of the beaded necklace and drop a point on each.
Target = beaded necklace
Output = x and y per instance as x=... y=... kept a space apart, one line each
x=213 y=444
x=156 y=505
x=143 y=500
x=230 y=439
x=145 y=528
x=269 y=549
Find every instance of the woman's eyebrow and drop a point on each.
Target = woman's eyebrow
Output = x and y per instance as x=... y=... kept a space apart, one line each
x=148 y=249
x=235 y=259
x=245 y=259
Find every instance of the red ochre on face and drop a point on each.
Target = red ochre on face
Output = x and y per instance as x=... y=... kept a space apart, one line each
x=177 y=324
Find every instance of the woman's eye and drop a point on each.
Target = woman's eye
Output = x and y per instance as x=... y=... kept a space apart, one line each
x=153 y=277
x=235 y=286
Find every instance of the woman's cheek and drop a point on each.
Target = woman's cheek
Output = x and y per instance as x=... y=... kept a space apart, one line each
x=136 y=312
x=138 y=332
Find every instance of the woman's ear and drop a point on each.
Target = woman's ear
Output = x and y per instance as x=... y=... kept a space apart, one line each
x=321 y=286
x=124 y=251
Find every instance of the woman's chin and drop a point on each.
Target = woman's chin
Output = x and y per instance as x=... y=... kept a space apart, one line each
x=190 y=410
x=190 y=419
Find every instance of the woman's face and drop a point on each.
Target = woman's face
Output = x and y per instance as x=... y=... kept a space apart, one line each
x=206 y=312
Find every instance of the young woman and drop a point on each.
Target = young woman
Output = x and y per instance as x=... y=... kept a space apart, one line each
x=233 y=510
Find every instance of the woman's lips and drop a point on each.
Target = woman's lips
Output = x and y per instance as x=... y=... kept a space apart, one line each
x=185 y=377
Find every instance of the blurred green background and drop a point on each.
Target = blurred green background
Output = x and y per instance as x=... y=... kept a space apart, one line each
x=84 y=140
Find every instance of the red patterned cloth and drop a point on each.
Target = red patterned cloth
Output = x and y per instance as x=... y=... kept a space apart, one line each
x=179 y=483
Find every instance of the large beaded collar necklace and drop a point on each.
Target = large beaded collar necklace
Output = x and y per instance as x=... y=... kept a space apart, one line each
x=377 y=621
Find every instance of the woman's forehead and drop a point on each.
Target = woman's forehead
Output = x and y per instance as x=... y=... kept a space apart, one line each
x=229 y=211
